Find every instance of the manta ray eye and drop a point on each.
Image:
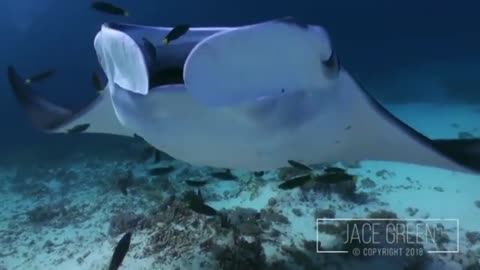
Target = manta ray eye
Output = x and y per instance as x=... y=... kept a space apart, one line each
x=332 y=65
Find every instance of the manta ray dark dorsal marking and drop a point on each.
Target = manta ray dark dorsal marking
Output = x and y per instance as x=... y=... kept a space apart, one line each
x=462 y=151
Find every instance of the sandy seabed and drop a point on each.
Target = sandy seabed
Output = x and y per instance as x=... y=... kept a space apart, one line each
x=70 y=215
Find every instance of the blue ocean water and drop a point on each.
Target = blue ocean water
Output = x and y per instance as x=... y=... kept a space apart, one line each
x=62 y=206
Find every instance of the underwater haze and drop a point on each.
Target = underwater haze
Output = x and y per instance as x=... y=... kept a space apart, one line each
x=148 y=196
x=399 y=50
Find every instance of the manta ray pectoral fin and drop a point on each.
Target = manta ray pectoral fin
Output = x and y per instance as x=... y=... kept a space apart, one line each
x=43 y=114
x=265 y=59
x=382 y=136
x=49 y=117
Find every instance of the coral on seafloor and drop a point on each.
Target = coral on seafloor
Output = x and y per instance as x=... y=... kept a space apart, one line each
x=324 y=213
x=43 y=214
x=123 y=222
x=241 y=255
x=57 y=215
x=250 y=222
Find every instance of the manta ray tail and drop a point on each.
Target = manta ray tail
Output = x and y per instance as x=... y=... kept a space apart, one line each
x=50 y=117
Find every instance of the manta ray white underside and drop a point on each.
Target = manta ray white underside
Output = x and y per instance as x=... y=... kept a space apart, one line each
x=249 y=97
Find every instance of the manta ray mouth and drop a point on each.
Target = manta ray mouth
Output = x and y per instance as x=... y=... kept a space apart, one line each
x=135 y=58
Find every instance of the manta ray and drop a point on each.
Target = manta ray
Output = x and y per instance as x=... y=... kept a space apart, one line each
x=250 y=97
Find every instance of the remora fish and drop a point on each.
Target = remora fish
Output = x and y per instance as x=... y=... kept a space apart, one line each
x=196 y=183
x=161 y=170
x=334 y=178
x=109 y=8
x=176 y=33
x=299 y=166
x=78 y=129
x=196 y=203
x=224 y=175
x=296 y=181
x=40 y=76
x=120 y=251
x=97 y=83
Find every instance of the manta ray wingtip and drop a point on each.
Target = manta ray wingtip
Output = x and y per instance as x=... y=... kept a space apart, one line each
x=465 y=152
x=42 y=113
